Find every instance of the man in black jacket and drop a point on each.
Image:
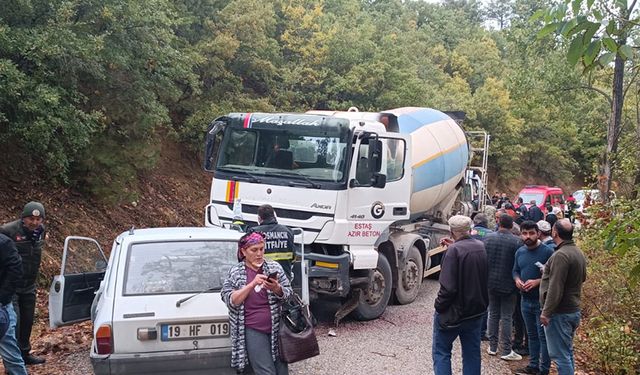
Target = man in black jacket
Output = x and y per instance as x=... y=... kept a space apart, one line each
x=501 y=249
x=10 y=275
x=29 y=234
x=278 y=244
x=462 y=300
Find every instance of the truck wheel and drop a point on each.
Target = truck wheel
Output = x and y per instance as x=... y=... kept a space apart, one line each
x=410 y=277
x=375 y=298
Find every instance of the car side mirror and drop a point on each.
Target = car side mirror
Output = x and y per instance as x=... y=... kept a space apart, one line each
x=101 y=265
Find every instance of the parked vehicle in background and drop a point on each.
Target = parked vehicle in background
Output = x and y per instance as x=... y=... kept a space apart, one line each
x=543 y=195
x=155 y=305
x=581 y=195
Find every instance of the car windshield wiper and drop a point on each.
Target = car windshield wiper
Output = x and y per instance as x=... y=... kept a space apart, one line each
x=251 y=177
x=185 y=299
x=310 y=181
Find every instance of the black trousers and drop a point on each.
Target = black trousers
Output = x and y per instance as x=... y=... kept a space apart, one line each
x=25 y=306
x=520 y=339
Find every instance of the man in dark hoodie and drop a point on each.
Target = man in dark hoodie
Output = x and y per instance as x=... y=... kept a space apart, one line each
x=462 y=300
x=278 y=244
x=10 y=274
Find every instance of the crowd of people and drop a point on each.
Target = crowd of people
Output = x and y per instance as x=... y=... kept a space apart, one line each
x=516 y=284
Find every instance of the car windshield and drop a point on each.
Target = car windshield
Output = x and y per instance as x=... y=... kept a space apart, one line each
x=309 y=152
x=579 y=195
x=178 y=267
x=528 y=197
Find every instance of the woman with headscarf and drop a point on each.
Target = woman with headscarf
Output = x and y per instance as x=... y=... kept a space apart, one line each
x=254 y=291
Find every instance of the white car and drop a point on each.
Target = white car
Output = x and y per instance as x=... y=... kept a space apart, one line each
x=155 y=305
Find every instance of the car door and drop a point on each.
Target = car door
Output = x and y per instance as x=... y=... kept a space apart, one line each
x=72 y=291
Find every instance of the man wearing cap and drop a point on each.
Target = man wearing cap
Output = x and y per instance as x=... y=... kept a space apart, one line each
x=545 y=234
x=462 y=300
x=28 y=233
x=10 y=275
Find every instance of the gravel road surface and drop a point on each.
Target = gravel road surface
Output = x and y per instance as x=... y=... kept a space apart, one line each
x=397 y=343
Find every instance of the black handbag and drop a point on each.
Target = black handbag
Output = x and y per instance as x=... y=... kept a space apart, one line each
x=296 y=337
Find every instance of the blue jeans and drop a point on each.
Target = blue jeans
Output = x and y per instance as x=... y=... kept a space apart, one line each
x=469 y=333
x=538 y=354
x=559 y=333
x=11 y=356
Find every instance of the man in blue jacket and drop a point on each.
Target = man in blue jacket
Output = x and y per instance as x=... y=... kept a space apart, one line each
x=527 y=273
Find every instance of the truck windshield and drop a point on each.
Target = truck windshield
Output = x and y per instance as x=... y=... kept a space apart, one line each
x=528 y=197
x=316 y=154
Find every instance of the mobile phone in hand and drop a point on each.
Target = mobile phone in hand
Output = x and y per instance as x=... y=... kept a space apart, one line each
x=273 y=276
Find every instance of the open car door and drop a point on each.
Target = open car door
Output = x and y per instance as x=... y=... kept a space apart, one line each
x=72 y=291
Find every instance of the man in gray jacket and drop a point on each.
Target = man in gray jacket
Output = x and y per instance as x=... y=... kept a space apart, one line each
x=560 y=292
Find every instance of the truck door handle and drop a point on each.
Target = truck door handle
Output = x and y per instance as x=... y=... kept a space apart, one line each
x=399 y=211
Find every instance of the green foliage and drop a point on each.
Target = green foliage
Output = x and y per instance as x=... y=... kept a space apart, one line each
x=591 y=32
x=90 y=89
x=611 y=296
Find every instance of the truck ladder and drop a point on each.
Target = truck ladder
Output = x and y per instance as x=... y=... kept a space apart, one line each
x=479 y=147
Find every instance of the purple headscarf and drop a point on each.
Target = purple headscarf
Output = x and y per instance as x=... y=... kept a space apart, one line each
x=248 y=240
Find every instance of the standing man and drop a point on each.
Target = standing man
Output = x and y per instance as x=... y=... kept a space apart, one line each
x=527 y=273
x=560 y=291
x=545 y=234
x=522 y=210
x=28 y=233
x=461 y=301
x=480 y=227
x=278 y=244
x=10 y=275
x=479 y=232
x=535 y=213
x=501 y=249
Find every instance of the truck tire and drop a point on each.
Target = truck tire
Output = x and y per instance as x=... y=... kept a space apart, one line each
x=374 y=299
x=409 y=277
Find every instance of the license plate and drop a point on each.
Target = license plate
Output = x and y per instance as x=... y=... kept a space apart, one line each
x=194 y=331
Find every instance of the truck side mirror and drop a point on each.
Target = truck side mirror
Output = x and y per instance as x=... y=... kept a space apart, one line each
x=212 y=145
x=375 y=155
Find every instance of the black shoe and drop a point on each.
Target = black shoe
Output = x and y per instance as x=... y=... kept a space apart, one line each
x=528 y=371
x=32 y=360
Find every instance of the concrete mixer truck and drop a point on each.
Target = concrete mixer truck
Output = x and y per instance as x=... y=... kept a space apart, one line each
x=372 y=192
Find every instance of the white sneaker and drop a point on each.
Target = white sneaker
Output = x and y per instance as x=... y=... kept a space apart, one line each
x=491 y=352
x=513 y=356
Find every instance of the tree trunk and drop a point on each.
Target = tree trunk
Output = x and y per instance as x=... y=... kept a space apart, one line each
x=613 y=129
x=636 y=183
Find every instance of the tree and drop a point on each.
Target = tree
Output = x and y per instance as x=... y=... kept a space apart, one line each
x=598 y=32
